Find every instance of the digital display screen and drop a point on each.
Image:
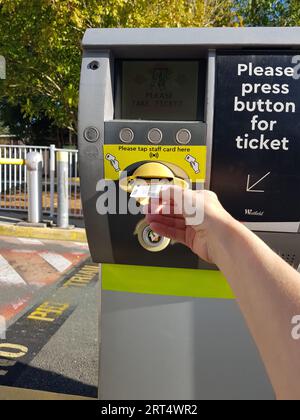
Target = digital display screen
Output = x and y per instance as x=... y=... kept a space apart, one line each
x=159 y=90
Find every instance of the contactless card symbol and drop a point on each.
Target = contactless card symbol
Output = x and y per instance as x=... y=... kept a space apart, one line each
x=113 y=161
x=250 y=186
x=154 y=155
x=193 y=162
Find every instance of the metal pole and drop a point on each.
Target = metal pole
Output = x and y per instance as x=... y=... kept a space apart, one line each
x=62 y=190
x=52 y=179
x=34 y=168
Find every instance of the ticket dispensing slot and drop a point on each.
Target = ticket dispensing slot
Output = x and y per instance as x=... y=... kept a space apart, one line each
x=153 y=173
x=144 y=183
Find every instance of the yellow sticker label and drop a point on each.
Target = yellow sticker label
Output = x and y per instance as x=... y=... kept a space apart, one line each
x=191 y=159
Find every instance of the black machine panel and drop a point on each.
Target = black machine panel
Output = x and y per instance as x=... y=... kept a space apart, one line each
x=167 y=95
x=256 y=142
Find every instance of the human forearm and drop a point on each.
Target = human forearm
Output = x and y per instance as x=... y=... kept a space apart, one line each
x=267 y=289
x=268 y=292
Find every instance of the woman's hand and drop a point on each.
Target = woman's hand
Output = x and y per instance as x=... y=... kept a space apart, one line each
x=172 y=216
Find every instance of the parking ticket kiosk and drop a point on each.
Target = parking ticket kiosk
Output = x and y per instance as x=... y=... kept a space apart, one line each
x=215 y=108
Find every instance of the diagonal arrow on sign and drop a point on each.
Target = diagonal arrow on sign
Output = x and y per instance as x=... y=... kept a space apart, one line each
x=250 y=188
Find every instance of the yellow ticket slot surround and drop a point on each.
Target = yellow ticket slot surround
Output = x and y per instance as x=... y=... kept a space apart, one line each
x=191 y=160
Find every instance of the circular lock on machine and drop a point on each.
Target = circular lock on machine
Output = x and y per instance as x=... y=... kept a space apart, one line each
x=149 y=239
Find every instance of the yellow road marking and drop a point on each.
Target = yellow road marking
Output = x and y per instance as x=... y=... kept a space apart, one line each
x=45 y=309
x=75 y=235
x=84 y=276
x=12 y=354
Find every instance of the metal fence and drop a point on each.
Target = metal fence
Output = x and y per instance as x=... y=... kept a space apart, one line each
x=13 y=188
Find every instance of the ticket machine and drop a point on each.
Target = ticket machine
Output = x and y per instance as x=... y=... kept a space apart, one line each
x=201 y=108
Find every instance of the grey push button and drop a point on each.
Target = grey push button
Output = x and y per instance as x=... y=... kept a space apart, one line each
x=183 y=136
x=91 y=134
x=155 y=135
x=126 y=135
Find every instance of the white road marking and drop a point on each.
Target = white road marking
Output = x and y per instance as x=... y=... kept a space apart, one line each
x=82 y=244
x=57 y=261
x=30 y=241
x=8 y=275
x=22 y=251
x=19 y=303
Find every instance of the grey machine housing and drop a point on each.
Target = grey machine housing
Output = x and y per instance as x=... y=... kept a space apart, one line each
x=100 y=122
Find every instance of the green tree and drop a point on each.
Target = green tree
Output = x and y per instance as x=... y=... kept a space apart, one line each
x=32 y=130
x=41 y=42
x=263 y=12
x=292 y=17
x=168 y=13
x=3 y=128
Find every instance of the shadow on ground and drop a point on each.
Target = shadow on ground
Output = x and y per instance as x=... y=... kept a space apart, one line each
x=42 y=380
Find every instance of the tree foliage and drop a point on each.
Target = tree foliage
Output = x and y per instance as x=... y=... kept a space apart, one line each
x=3 y=128
x=41 y=41
x=292 y=16
x=264 y=12
x=32 y=130
x=168 y=13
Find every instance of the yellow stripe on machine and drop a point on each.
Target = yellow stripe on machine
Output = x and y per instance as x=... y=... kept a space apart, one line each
x=165 y=281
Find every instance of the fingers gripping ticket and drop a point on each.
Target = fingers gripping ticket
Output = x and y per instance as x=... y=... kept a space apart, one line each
x=177 y=203
x=171 y=227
